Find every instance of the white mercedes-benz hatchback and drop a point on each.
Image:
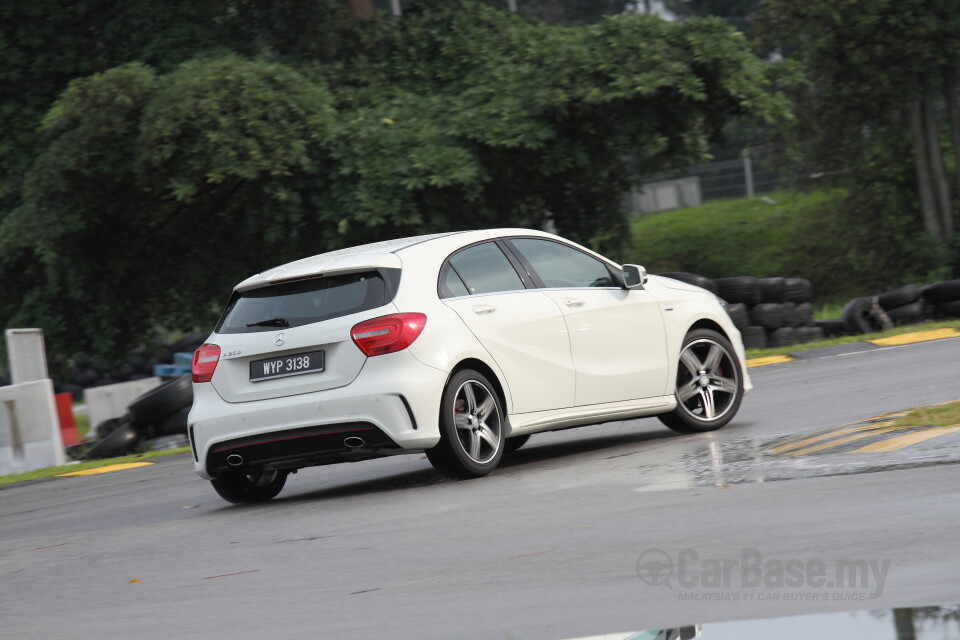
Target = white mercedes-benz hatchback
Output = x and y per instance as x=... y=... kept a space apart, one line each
x=457 y=344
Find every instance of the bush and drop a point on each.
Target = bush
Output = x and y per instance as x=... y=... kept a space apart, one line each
x=812 y=235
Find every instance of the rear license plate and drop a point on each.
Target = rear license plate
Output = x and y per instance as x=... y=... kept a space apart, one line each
x=293 y=365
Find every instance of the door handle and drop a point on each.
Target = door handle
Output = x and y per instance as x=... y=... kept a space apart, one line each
x=572 y=302
x=480 y=309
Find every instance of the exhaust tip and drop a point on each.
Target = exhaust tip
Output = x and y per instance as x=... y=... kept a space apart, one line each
x=234 y=460
x=354 y=442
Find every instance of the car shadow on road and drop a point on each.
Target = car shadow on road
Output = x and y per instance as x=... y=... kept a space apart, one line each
x=534 y=452
x=617 y=444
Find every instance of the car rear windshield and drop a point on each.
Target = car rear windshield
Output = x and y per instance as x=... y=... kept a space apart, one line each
x=293 y=304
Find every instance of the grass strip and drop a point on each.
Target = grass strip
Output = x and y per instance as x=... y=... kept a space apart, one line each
x=48 y=472
x=946 y=414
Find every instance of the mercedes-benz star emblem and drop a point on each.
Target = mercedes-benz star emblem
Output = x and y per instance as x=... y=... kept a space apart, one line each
x=279 y=339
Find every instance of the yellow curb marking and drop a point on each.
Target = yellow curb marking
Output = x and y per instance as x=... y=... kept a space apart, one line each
x=107 y=469
x=797 y=444
x=832 y=443
x=892 y=444
x=759 y=362
x=918 y=336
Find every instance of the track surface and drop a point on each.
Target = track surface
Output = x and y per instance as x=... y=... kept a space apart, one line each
x=546 y=547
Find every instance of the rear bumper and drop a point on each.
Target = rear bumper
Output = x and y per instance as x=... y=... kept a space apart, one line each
x=303 y=447
x=393 y=404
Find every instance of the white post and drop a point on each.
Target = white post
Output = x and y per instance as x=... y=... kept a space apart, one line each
x=27 y=354
x=395 y=8
x=512 y=5
x=748 y=172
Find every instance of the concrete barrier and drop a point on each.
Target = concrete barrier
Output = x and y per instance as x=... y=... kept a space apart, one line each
x=27 y=354
x=29 y=429
x=112 y=400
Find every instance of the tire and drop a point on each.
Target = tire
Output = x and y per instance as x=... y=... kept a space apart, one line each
x=709 y=384
x=798 y=290
x=471 y=427
x=739 y=289
x=767 y=314
x=789 y=311
x=805 y=334
x=85 y=378
x=739 y=315
x=246 y=487
x=158 y=403
x=782 y=337
x=911 y=313
x=947 y=309
x=692 y=278
x=941 y=292
x=187 y=343
x=119 y=442
x=804 y=314
x=856 y=316
x=772 y=289
x=173 y=424
x=754 y=337
x=108 y=426
x=832 y=328
x=899 y=297
x=514 y=443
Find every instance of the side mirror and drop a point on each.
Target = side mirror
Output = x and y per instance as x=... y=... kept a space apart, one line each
x=634 y=276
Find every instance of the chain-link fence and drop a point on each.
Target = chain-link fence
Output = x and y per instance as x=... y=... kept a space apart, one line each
x=759 y=171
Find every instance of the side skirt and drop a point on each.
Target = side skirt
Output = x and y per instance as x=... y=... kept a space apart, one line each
x=536 y=421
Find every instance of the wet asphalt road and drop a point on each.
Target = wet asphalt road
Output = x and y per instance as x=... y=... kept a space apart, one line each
x=579 y=533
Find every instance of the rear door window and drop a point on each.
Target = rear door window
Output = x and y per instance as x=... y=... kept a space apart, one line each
x=484 y=268
x=293 y=304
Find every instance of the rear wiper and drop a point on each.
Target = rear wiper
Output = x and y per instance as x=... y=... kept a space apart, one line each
x=272 y=322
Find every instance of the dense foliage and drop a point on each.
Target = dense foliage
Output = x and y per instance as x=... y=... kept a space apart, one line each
x=879 y=77
x=160 y=180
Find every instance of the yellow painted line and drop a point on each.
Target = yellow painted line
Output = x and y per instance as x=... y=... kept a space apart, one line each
x=107 y=469
x=892 y=444
x=796 y=444
x=759 y=362
x=832 y=443
x=917 y=336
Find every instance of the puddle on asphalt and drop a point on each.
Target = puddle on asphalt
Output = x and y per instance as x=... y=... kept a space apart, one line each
x=940 y=622
x=719 y=462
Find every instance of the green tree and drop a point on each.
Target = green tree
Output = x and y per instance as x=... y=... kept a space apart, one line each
x=868 y=115
x=155 y=189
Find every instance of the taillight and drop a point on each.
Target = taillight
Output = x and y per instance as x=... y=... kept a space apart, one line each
x=388 y=333
x=205 y=361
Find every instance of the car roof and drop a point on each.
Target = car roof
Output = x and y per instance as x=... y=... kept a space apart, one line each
x=377 y=254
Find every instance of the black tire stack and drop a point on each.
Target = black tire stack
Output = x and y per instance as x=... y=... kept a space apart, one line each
x=902 y=306
x=907 y=305
x=942 y=299
x=85 y=372
x=160 y=412
x=769 y=312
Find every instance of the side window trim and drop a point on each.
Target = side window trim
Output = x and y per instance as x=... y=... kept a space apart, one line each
x=444 y=292
x=520 y=265
x=536 y=276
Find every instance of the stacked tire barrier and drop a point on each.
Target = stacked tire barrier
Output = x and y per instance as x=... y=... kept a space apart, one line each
x=160 y=412
x=85 y=372
x=903 y=306
x=769 y=312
